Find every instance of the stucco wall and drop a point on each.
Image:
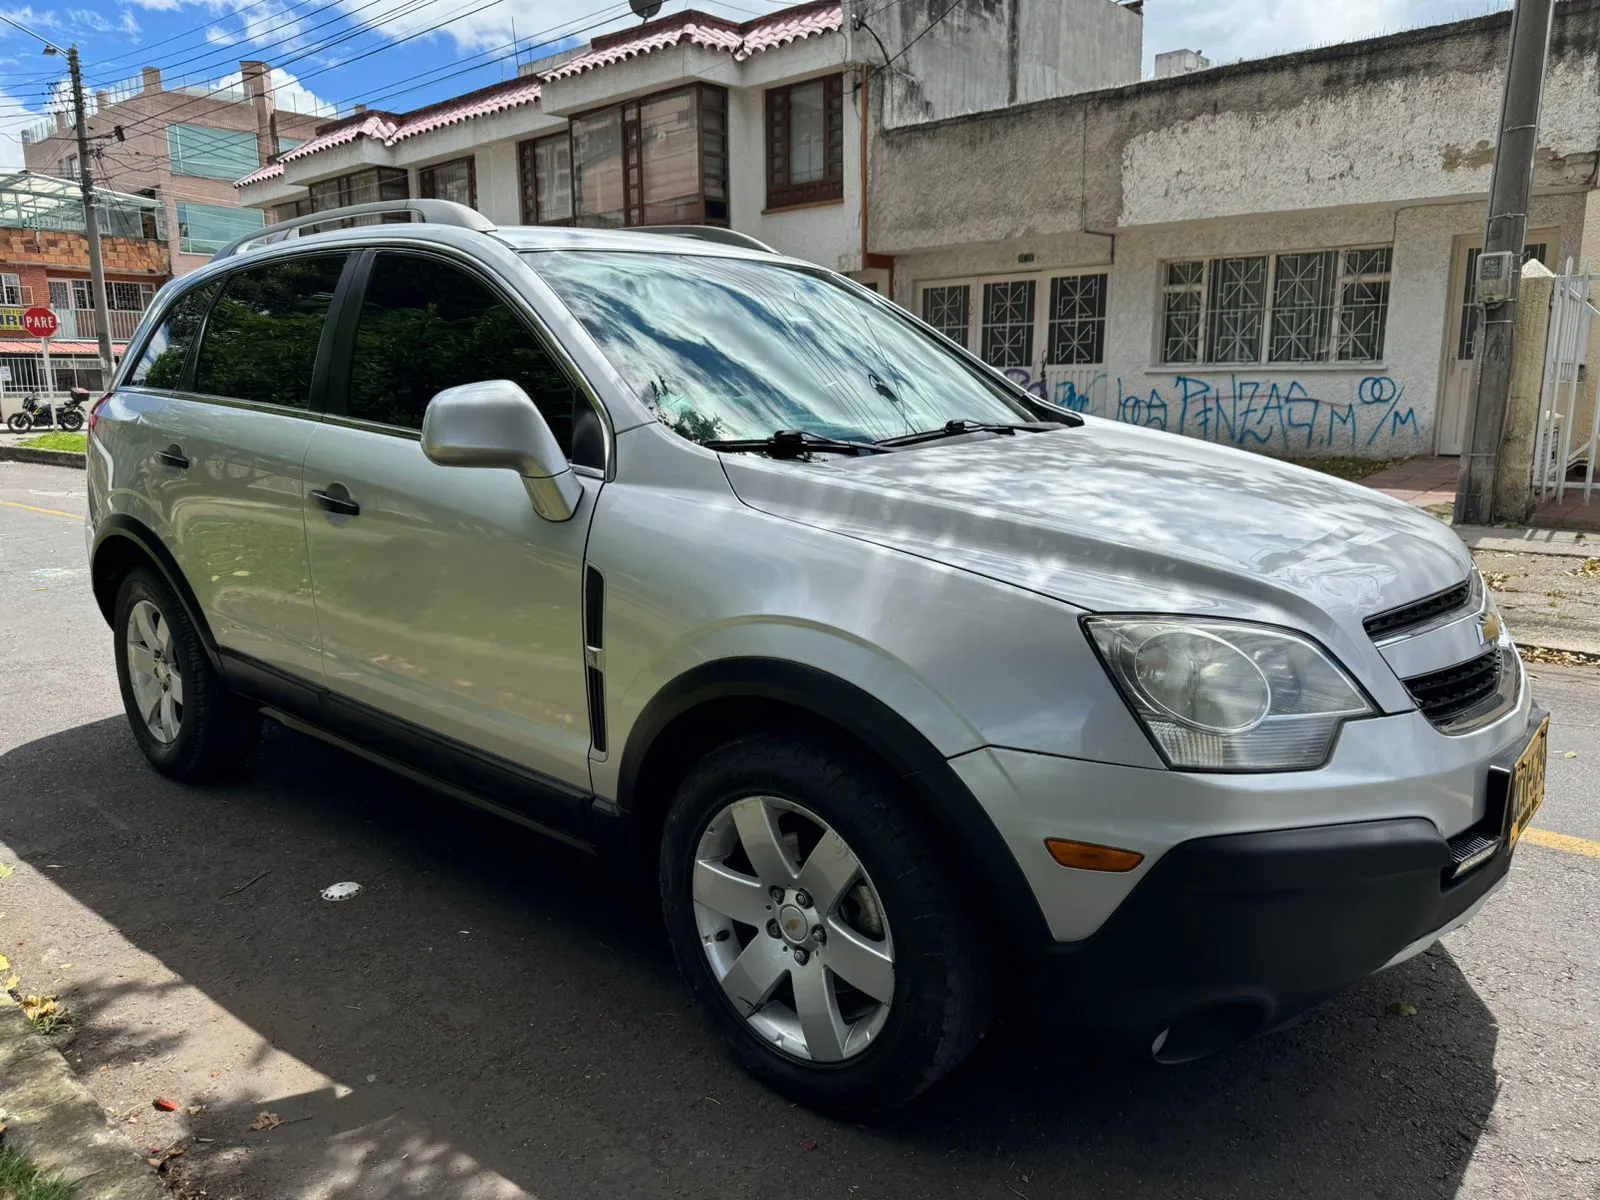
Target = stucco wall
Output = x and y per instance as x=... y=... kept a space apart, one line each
x=1382 y=409
x=1407 y=117
x=972 y=57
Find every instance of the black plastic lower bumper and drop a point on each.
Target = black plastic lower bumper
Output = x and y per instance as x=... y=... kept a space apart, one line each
x=1226 y=936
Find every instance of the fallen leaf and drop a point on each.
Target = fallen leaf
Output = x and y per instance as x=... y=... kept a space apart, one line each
x=11 y=984
x=165 y=1105
x=1570 y=754
x=808 y=1145
x=5 y=963
x=66 y=966
x=1401 y=1009
x=5 y=871
x=267 y=1120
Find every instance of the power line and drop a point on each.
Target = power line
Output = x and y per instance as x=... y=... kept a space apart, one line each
x=145 y=49
x=900 y=53
x=258 y=45
x=403 y=9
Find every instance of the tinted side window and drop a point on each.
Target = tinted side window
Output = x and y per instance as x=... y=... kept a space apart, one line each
x=161 y=364
x=426 y=326
x=261 y=340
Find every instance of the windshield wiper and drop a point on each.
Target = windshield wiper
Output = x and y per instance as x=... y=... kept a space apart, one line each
x=792 y=443
x=953 y=429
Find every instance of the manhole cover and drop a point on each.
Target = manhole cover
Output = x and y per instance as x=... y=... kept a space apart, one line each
x=341 y=891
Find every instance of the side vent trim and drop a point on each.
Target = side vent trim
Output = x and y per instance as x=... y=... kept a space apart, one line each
x=594 y=613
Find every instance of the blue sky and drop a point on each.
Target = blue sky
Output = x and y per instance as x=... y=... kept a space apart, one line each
x=322 y=47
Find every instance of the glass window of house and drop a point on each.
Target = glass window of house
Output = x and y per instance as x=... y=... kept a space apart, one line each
x=805 y=142
x=544 y=166
x=456 y=180
x=597 y=175
x=670 y=158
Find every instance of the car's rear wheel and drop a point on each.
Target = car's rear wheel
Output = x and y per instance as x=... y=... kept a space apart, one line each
x=818 y=926
x=184 y=718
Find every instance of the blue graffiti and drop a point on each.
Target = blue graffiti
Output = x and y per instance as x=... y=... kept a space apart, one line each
x=1250 y=412
x=1024 y=379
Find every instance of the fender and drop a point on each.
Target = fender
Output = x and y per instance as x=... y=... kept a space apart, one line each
x=119 y=531
x=961 y=820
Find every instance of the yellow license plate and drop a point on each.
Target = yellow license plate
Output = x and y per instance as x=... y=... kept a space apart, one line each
x=1527 y=784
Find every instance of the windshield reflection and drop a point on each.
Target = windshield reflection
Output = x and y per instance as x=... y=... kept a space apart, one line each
x=723 y=348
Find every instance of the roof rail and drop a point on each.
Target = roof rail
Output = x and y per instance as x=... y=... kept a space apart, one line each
x=709 y=233
x=436 y=212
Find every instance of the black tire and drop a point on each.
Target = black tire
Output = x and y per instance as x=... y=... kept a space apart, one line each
x=943 y=981
x=216 y=730
x=70 y=420
x=19 y=422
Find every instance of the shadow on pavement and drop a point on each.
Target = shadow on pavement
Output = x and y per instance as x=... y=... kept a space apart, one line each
x=516 y=1010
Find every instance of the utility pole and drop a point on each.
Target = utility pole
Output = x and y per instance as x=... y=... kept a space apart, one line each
x=1510 y=192
x=91 y=225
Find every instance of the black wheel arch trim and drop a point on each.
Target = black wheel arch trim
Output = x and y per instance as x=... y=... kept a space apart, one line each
x=121 y=527
x=858 y=714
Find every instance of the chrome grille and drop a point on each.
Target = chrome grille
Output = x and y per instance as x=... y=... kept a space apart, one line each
x=1418 y=612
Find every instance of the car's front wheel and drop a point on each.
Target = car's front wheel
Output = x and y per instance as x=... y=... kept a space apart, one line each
x=183 y=716
x=818 y=926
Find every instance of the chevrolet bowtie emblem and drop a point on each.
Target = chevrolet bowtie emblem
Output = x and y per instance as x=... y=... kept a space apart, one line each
x=1489 y=628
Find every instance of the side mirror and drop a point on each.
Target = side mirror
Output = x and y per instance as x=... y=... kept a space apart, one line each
x=494 y=424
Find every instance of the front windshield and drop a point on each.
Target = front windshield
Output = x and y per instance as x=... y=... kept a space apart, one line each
x=726 y=348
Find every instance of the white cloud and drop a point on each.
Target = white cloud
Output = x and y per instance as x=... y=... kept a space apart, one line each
x=1228 y=30
x=287 y=92
x=84 y=18
x=12 y=123
x=27 y=16
x=218 y=36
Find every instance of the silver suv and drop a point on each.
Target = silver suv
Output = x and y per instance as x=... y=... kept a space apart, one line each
x=911 y=688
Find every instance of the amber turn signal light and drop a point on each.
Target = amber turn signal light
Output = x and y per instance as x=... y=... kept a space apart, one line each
x=1086 y=856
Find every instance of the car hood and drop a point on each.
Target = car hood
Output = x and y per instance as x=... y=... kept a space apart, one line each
x=1109 y=517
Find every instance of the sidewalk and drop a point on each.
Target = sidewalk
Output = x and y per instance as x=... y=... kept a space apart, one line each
x=1545 y=577
x=1430 y=481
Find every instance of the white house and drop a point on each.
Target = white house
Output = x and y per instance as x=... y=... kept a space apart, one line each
x=1274 y=254
x=760 y=125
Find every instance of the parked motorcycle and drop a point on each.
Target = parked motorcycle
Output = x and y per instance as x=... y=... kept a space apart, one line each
x=33 y=415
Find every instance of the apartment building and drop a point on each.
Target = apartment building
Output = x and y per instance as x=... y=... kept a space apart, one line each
x=183 y=145
x=44 y=262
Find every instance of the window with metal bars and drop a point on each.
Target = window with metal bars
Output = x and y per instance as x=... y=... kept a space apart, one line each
x=805 y=143
x=949 y=310
x=1008 y=323
x=1307 y=307
x=1077 y=320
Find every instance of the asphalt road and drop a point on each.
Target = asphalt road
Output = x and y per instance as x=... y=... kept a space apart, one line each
x=495 y=1016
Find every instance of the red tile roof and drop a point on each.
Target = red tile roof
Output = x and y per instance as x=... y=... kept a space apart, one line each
x=501 y=96
x=714 y=33
x=688 y=27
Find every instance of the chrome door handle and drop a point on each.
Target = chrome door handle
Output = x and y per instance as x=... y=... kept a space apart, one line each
x=173 y=456
x=343 y=505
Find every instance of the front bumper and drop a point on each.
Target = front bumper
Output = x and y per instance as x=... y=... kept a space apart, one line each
x=1260 y=895
x=1226 y=936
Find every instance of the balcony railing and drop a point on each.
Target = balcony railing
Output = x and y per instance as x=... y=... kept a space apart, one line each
x=77 y=324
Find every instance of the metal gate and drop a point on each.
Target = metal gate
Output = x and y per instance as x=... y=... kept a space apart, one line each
x=1568 y=433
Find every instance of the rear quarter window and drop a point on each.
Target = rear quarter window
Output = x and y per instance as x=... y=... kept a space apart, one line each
x=161 y=363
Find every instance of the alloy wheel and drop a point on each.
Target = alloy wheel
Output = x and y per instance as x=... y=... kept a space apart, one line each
x=793 y=929
x=153 y=672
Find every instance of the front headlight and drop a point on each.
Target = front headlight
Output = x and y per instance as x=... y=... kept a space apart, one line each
x=1226 y=695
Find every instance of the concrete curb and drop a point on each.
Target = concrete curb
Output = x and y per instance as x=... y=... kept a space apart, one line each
x=33 y=454
x=1510 y=539
x=51 y=1117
